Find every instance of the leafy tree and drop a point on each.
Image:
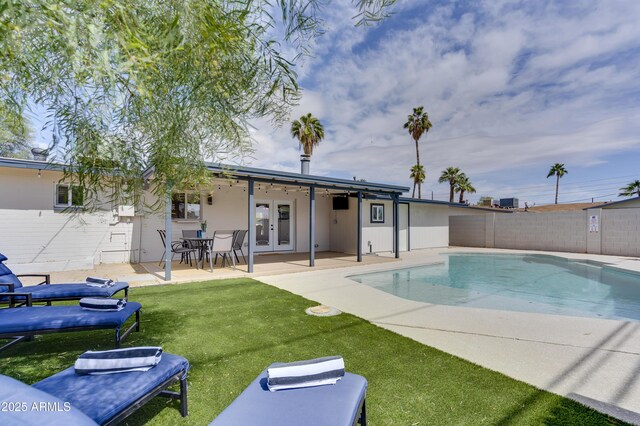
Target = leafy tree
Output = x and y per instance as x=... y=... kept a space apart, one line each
x=558 y=171
x=14 y=135
x=418 y=124
x=485 y=200
x=309 y=132
x=450 y=175
x=140 y=84
x=462 y=185
x=630 y=190
x=418 y=175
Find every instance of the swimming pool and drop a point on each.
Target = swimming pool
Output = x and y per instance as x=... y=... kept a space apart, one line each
x=526 y=283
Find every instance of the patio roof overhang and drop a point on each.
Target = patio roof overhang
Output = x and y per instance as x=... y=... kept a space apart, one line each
x=30 y=164
x=297 y=179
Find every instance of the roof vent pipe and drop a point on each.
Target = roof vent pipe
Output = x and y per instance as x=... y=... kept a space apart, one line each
x=39 y=154
x=304 y=163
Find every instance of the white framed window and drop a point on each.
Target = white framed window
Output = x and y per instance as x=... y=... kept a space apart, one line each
x=377 y=213
x=185 y=206
x=68 y=195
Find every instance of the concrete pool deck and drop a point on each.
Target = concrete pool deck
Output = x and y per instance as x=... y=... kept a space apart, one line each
x=594 y=361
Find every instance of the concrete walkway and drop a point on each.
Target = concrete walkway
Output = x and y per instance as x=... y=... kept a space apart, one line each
x=593 y=361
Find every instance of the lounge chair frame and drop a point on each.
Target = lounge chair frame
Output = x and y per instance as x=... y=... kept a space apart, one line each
x=11 y=287
x=160 y=390
x=120 y=336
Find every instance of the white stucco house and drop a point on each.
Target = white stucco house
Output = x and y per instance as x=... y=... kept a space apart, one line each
x=283 y=212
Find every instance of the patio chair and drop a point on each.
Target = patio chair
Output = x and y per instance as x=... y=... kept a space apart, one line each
x=46 y=292
x=339 y=404
x=93 y=399
x=222 y=244
x=25 y=322
x=238 y=240
x=177 y=247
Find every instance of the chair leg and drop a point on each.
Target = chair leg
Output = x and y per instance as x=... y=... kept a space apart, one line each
x=183 y=396
x=236 y=255
x=232 y=260
x=161 y=259
x=363 y=414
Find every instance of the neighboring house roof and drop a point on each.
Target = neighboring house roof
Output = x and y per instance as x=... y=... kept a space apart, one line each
x=561 y=207
x=486 y=209
x=421 y=201
x=628 y=203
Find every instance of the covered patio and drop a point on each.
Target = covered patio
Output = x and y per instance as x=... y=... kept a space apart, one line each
x=235 y=195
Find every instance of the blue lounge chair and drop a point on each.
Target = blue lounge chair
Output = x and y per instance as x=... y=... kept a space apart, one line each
x=339 y=404
x=24 y=322
x=47 y=292
x=72 y=399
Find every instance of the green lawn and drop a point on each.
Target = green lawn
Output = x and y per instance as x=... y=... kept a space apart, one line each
x=230 y=330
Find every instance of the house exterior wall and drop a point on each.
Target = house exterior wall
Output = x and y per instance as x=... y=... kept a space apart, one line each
x=404 y=227
x=429 y=226
x=229 y=211
x=33 y=232
x=377 y=237
x=343 y=228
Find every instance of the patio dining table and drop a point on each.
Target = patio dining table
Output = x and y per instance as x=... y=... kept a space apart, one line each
x=203 y=244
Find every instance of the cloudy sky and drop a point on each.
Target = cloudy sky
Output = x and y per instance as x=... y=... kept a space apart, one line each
x=510 y=87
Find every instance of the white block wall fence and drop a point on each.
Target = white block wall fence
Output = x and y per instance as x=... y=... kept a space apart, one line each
x=617 y=231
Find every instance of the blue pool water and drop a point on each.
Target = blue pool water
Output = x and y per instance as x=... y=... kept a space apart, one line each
x=527 y=283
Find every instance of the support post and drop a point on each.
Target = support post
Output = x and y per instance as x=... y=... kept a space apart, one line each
x=359 y=226
x=408 y=226
x=167 y=233
x=396 y=226
x=312 y=225
x=251 y=228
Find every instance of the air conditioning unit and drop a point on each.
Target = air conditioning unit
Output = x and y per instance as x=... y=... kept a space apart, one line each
x=126 y=211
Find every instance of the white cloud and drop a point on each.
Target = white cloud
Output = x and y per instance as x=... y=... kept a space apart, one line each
x=508 y=87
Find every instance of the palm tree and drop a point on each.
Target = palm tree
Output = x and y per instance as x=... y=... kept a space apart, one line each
x=630 y=190
x=418 y=124
x=309 y=132
x=450 y=174
x=418 y=175
x=558 y=171
x=462 y=185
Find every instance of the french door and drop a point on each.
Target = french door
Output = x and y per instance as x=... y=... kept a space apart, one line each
x=274 y=225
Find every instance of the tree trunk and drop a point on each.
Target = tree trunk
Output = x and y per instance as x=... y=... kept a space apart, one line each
x=413 y=194
x=418 y=163
x=461 y=196
x=451 y=185
x=557 y=185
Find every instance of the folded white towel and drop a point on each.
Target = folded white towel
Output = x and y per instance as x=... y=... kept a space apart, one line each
x=99 y=282
x=141 y=358
x=300 y=374
x=102 y=304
